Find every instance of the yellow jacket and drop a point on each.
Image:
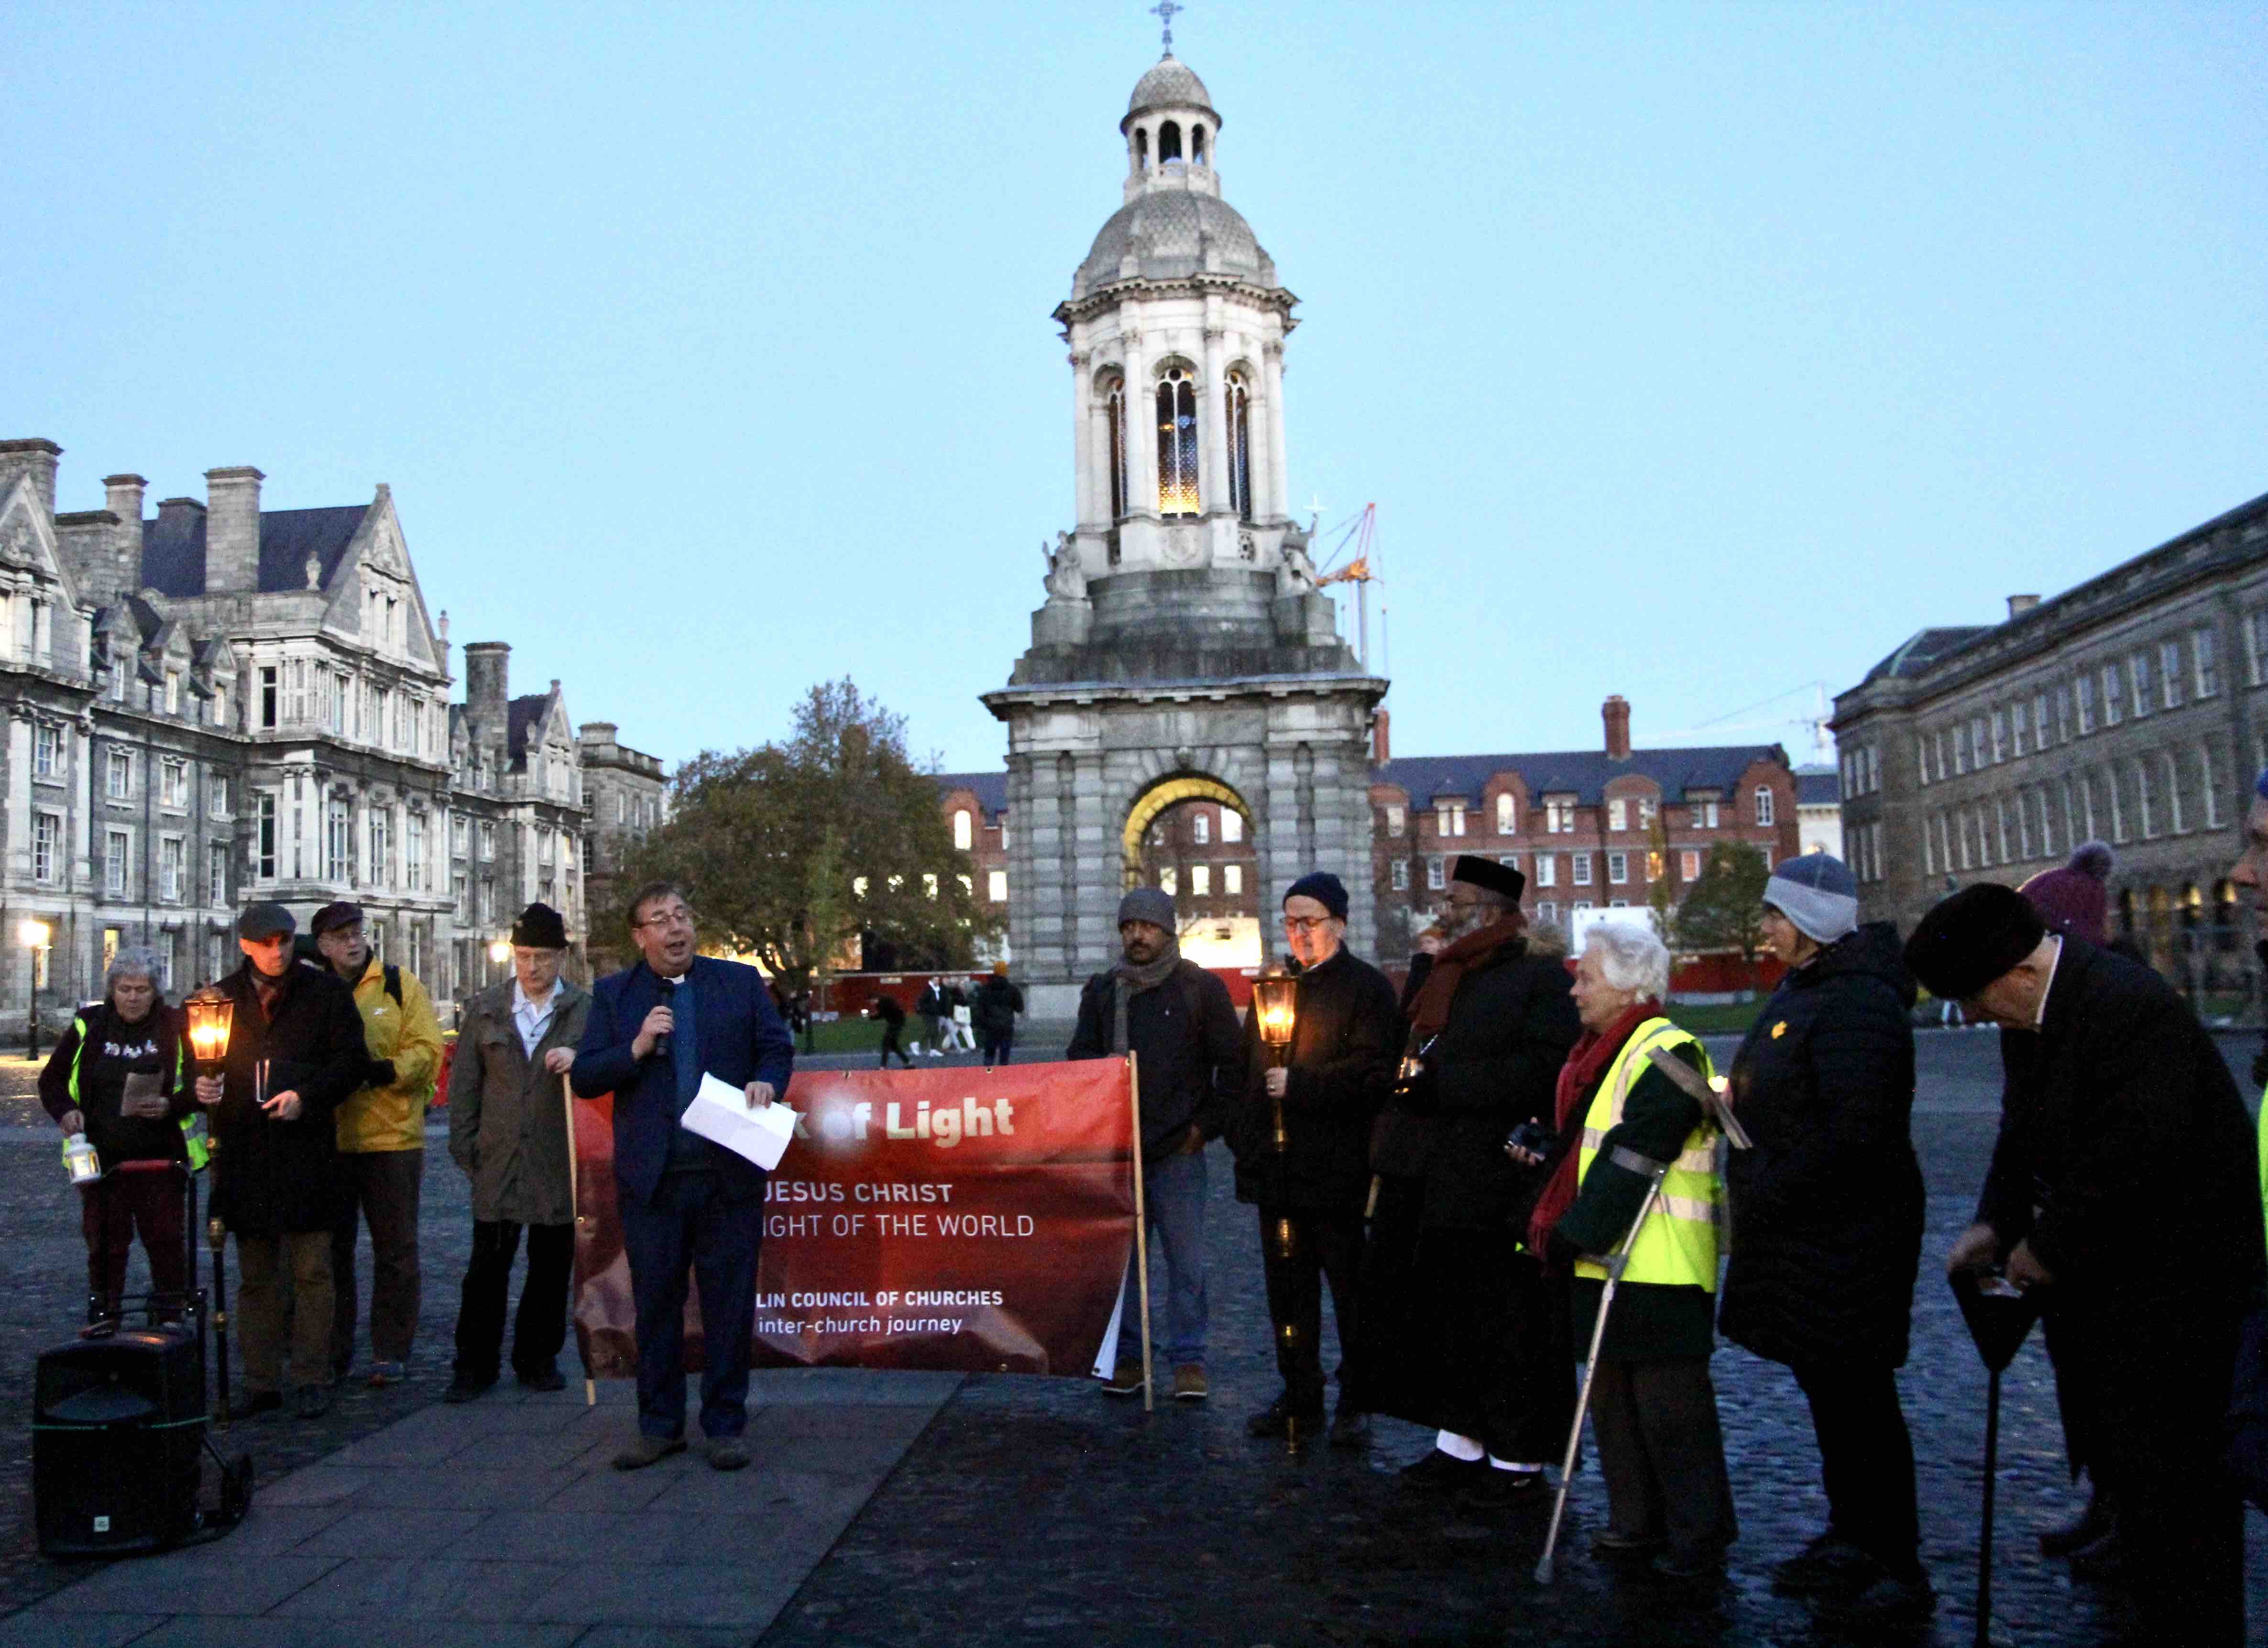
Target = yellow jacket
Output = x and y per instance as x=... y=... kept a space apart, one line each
x=393 y=1118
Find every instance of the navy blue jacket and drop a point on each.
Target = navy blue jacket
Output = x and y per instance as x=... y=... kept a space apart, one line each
x=741 y=1040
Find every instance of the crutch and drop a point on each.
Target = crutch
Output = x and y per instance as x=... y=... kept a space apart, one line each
x=1617 y=1263
x=574 y=1206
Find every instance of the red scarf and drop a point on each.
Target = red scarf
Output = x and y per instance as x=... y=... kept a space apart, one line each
x=1587 y=1063
x=1431 y=1011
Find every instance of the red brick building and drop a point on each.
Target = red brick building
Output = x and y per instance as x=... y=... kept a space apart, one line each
x=1580 y=824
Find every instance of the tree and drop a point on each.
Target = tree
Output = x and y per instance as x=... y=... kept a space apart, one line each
x=1724 y=910
x=792 y=850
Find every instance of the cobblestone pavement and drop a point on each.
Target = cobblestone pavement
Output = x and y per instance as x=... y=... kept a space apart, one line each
x=1042 y=1510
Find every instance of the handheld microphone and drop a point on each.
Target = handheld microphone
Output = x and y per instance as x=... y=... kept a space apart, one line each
x=661 y=1043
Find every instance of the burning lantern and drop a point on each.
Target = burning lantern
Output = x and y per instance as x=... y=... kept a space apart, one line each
x=1273 y=995
x=210 y=1015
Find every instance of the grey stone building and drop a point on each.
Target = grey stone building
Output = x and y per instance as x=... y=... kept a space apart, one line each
x=1184 y=653
x=628 y=794
x=2133 y=708
x=218 y=701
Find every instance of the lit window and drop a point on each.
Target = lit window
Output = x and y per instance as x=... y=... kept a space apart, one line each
x=1689 y=865
x=1559 y=815
x=1448 y=819
x=1201 y=881
x=1617 y=815
x=964 y=833
x=1231 y=825
x=996 y=885
x=1177 y=443
x=1232 y=877
x=1396 y=822
x=1169 y=881
x=1507 y=814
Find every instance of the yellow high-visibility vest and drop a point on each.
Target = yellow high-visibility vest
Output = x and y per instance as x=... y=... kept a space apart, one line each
x=1677 y=1247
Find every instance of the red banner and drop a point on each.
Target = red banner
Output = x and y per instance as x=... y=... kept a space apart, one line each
x=969 y=1220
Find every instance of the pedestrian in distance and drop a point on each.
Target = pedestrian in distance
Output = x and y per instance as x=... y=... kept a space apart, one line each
x=1310 y=1189
x=997 y=1003
x=508 y=1132
x=930 y=1008
x=885 y=1007
x=1653 y=1410
x=296 y=1051
x=689 y=1206
x=116 y=1077
x=1476 y=1321
x=1179 y=1022
x=2124 y=1182
x=959 y=1037
x=1826 y=1213
x=381 y=1135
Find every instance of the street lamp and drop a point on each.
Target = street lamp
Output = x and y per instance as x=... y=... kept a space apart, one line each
x=35 y=935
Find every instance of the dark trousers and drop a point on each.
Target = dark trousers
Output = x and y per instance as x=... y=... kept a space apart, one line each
x=1300 y=1252
x=540 y=1329
x=1865 y=1461
x=1662 y=1455
x=998 y=1050
x=890 y=1045
x=382 y=1189
x=689 y=1225
x=1505 y=1371
x=111 y=1210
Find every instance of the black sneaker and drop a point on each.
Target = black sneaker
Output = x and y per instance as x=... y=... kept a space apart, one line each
x=1830 y=1563
x=1439 y=1473
x=464 y=1388
x=549 y=1379
x=1495 y=1489
x=1350 y=1428
x=254 y=1403
x=1278 y=1418
x=1891 y=1600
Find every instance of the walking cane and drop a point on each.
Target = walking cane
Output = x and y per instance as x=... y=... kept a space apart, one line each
x=1617 y=1263
x=575 y=1207
x=1998 y=1315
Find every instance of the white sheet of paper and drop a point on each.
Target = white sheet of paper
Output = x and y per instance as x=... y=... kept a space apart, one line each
x=720 y=1112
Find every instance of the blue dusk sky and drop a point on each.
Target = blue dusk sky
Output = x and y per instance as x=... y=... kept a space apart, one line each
x=1694 y=352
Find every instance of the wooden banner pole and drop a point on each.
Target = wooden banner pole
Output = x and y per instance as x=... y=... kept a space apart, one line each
x=1141 y=1224
x=575 y=1206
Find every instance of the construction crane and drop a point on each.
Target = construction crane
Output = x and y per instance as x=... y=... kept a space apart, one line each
x=1361 y=536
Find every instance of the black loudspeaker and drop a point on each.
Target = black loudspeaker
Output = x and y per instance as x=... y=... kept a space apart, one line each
x=118 y=1426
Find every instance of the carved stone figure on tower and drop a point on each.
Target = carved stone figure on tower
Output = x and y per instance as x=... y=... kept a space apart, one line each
x=1066 y=579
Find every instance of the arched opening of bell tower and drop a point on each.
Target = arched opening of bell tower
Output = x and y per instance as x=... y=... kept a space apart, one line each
x=1193 y=837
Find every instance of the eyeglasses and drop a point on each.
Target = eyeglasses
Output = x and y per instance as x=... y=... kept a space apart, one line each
x=667 y=919
x=1307 y=924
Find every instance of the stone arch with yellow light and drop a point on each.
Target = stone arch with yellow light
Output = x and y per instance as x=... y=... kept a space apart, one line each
x=1161 y=797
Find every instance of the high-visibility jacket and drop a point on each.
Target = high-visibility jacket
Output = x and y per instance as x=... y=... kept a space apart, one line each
x=1678 y=1246
x=193 y=1125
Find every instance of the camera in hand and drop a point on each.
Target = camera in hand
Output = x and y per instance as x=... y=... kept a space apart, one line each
x=1531 y=1137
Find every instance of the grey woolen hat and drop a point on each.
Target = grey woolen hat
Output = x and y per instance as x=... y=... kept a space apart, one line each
x=1147 y=904
x=1818 y=893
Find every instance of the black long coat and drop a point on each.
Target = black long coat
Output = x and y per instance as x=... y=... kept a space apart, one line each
x=271 y=1176
x=2126 y=1160
x=1827 y=1208
x=1510 y=1024
x=1346 y=1039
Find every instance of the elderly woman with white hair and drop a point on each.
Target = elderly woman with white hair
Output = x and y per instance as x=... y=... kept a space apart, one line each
x=1653 y=1410
x=116 y=1077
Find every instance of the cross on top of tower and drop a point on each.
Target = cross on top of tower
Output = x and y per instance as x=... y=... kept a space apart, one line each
x=1166 y=11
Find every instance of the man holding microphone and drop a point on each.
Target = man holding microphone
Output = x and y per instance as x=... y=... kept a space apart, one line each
x=687 y=1205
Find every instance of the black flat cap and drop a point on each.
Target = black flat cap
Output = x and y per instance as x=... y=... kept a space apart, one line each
x=344 y=913
x=1970 y=938
x=1487 y=873
x=265 y=920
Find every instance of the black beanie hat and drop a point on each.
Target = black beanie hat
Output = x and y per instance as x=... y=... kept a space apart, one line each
x=540 y=927
x=1323 y=887
x=1972 y=938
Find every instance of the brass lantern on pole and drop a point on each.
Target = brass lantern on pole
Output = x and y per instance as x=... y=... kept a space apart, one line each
x=212 y=1015
x=1275 y=1003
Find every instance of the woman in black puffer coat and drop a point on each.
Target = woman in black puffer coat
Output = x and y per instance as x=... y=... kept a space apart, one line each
x=1827 y=1221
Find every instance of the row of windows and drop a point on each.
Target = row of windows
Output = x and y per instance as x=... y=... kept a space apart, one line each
x=2168 y=792
x=1232 y=880
x=1862 y=847
x=122 y=769
x=2146 y=681
x=1580 y=867
x=1174 y=405
x=1862 y=771
x=1450 y=818
x=299 y=692
x=127 y=686
x=172 y=866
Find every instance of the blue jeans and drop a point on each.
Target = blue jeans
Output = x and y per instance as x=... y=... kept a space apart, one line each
x=1174 y=1193
x=690 y=1226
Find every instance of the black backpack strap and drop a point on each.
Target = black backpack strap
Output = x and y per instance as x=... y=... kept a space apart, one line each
x=393 y=977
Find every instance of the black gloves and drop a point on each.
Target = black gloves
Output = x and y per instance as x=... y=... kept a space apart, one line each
x=380 y=1073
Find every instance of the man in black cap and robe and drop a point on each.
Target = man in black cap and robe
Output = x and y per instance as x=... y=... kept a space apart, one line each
x=1310 y=1186
x=2124 y=1182
x=1488 y=1033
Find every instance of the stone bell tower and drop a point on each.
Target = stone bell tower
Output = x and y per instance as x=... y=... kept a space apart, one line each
x=1184 y=652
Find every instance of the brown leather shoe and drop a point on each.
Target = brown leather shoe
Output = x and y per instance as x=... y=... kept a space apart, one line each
x=646 y=1450
x=1125 y=1380
x=1189 y=1384
x=728 y=1453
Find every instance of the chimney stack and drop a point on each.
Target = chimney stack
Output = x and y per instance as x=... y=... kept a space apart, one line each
x=35 y=457
x=487 y=681
x=2019 y=605
x=232 y=530
x=1381 y=744
x=122 y=498
x=1616 y=712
